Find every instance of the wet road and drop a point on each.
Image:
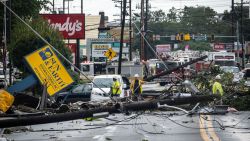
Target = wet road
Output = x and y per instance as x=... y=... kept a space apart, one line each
x=149 y=126
x=158 y=126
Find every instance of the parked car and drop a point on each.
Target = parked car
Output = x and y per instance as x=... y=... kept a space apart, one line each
x=246 y=76
x=235 y=70
x=80 y=92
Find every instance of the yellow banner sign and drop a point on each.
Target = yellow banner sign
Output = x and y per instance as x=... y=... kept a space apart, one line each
x=49 y=70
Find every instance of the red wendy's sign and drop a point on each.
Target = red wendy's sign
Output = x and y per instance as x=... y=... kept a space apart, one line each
x=72 y=26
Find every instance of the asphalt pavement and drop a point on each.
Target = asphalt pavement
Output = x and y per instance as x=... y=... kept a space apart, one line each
x=149 y=126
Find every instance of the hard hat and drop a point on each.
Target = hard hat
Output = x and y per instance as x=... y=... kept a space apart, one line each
x=136 y=75
x=218 y=77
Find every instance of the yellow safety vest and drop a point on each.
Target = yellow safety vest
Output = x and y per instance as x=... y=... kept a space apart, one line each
x=217 y=89
x=133 y=84
x=116 y=88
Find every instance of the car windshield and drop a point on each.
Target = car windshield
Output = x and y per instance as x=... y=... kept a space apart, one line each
x=103 y=82
x=230 y=69
x=87 y=87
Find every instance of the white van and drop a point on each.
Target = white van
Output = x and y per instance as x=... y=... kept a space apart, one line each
x=105 y=82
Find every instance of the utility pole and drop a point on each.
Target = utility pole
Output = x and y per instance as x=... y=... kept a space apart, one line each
x=238 y=40
x=142 y=31
x=5 y=41
x=77 y=59
x=130 y=30
x=122 y=33
x=81 y=6
x=232 y=24
x=145 y=31
x=63 y=6
x=53 y=6
x=121 y=10
x=242 y=39
x=8 y=32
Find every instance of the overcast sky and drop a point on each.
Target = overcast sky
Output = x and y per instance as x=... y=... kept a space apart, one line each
x=93 y=7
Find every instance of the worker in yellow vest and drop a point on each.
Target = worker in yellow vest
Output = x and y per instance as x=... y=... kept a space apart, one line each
x=217 y=87
x=115 y=89
x=136 y=88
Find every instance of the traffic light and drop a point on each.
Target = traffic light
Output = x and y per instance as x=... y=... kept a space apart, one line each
x=212 y=37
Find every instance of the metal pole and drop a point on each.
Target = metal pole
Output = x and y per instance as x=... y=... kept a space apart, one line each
x=121 y=12
x=232 y=24
x=142 y=31
x=238 y=40
x=53 y=4
x=8 y=32
x=146 y=29
x=122 y=33
x=81 y=6
x=232 y=17
x=5 y=42
x=68 y=6
x=130 y=30
x=242 y=42
x=63 y=6
x=77 y=59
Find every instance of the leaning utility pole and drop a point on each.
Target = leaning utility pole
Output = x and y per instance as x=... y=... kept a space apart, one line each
x=122 y=33
x=142 y=31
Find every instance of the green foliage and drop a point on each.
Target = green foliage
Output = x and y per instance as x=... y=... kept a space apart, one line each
x=25 y=9
x=195 y=20
x=198 y=19
x=24 y=41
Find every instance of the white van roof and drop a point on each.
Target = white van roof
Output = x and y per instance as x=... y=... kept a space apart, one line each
x=107 y=76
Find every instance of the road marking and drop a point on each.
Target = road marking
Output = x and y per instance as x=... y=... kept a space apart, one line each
x=208 y=134
x=211 y=130
x=203 y=132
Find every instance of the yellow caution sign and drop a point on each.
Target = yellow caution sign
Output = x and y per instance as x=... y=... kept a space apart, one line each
x=49 y=70
x=110 y=53
x=6 y=100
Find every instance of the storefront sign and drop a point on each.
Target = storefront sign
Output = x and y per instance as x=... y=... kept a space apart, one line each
x=49 y=70
x=72 y=26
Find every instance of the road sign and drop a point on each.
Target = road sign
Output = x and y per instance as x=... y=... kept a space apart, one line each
x=49 y=70
x=110 y=53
